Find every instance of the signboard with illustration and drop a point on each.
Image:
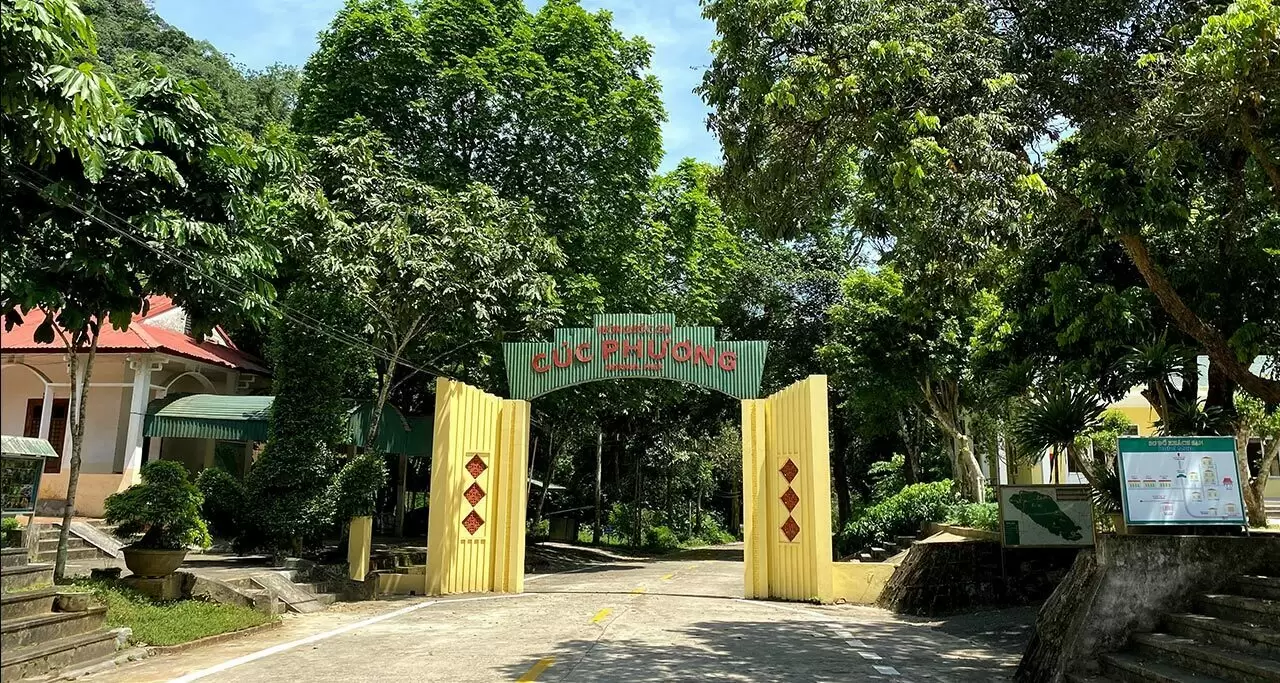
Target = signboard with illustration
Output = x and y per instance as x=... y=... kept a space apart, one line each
x=1180 y=480
x=1046 y=516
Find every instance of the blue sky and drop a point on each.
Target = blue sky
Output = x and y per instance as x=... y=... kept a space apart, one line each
x=261 y=32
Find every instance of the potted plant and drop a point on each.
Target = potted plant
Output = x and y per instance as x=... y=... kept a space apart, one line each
x=12 y=532
x=165 y=509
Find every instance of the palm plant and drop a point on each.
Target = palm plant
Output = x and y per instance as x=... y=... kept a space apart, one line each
x=1054 y=419
x=1193 y=418
x=1155 y=364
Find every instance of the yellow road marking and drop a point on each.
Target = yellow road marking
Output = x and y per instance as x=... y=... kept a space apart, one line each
x=602 y=615
x=638 y=590
x=692 y=566
x=668 y=577
x=537 y=669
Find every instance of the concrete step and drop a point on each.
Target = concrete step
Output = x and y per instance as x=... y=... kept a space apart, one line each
x=1134 y=668
x=1241 y=608
x=26 y=603
x=73 y=554
x=1230 y=665
x=865 y=557
x=24 y=576
x=1258 y=586
x=43 y=628
x=905 y=540
x=13 y=557
x=41 y=659
x=1231 y=634
x=1086 y=678
x=51 y=544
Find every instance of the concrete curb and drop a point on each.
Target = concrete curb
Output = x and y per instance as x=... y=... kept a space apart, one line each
x=976 y=534
x=153 y=650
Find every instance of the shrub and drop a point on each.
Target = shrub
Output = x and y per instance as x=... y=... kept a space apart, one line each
x=985 y=516
x=900 y=514
x=711 y=532
x=10 y=524
x=661 y=539
x=541 y=530
x=223 y=501
x=354 y=492
x=887 y=477
x=164 y=508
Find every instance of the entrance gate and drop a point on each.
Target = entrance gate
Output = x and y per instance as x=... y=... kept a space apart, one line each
x=479 y=466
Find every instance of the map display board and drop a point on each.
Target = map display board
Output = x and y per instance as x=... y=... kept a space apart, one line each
x=1180 y=480
x=1046 y=516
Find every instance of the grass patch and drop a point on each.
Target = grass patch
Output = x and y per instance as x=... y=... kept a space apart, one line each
x=168 y=623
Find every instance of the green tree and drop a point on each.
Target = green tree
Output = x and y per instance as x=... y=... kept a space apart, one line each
x=552 y=107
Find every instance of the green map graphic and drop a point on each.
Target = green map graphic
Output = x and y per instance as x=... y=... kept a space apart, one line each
x=1044 y=511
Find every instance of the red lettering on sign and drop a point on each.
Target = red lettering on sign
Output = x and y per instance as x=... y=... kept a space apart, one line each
x=729 y=361
x=656 y=350
x=562 y=357
x=682 y=351
x=580 y=352
x=704 y=355
x=630 y=348
x=609 y=347
x=539 y=363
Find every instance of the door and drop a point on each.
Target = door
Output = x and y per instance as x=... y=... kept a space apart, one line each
x=57 y=428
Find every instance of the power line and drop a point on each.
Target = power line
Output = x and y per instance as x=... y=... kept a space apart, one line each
x=276 y=307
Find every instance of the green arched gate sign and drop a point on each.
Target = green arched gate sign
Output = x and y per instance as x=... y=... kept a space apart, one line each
x=635 y=345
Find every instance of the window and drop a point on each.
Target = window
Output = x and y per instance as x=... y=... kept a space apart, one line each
x=1131 y=430
x=57 y=428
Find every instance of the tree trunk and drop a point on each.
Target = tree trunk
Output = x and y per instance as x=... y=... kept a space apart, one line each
x=1220 y=352
x=840 y=472
x=595 y=528
x=402 y=493
x=546 y=485
x=1257 y=486
x=80 y=389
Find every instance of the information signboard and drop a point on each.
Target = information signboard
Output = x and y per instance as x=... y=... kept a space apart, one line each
x=1046 y=516
x=1180 y=480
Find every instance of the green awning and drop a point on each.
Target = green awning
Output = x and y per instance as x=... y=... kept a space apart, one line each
x=245 y=418
x=209 y=416
x=26 y=446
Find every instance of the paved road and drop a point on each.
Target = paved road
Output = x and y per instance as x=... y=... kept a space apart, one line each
x=678 y=618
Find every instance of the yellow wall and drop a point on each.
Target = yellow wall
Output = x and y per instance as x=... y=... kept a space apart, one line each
x=91 y=490
x=790 y=426
x=1144 y=416
x=860 y=583
x=471 y=425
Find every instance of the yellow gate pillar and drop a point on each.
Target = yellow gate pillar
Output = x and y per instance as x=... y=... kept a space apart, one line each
x=786 y=485
x=476 y=522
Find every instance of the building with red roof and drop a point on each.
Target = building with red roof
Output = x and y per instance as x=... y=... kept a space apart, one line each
x=156 y=356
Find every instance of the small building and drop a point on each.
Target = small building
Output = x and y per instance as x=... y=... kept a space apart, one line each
x=156 y=357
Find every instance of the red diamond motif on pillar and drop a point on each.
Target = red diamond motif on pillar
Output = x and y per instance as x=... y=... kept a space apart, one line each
x=473 y=494
x=790 y=529
x=789 y=470
x=472 y=522
x=476 y=466
x=790 y=499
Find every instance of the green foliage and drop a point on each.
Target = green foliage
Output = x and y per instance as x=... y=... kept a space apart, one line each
x=985 y=516
x=887 y=477
x=901 y=514
x=1053 y=418
x=169 y=623
x=661 y=539
x=354 y=491
x=164 y=507
x=287 y=486
x=224 y=501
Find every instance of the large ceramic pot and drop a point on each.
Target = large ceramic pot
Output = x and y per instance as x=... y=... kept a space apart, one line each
x=152 y=562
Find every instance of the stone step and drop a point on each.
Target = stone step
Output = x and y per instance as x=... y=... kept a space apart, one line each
x=43 y=628
x=1241 y=608
x=51 y=544
x=1134 y=668
x=1086 y=678
x=905 y=540
x=73 y=554
x=865 y=557
x=1230 y=665
x=1232 y=634
x=41 y=659
x=1258 y=586
x=24 y=576
x=13 y=557
x=26 y=603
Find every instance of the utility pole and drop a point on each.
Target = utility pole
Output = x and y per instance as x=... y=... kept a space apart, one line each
x=595 y=531
x=639 y=516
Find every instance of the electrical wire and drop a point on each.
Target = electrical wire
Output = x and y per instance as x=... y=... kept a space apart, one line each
x=278 y=308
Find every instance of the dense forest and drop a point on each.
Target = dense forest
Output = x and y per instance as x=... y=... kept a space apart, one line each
x=983 y=221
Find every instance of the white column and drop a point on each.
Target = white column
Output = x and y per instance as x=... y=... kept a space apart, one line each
x=1002 y=461
x=46 y=412
x=137 y=414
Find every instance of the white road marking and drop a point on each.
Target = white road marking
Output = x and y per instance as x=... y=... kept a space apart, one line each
x=535 y=577
x=886 y=670
x=282 y=647
x=856 y=644
x=844 y=634
x=866 y=654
